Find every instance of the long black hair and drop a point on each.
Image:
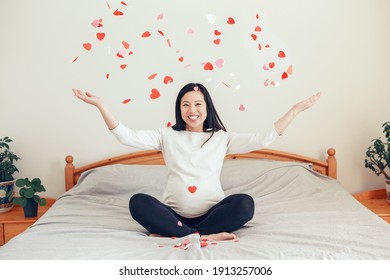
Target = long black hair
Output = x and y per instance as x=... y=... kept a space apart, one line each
x=212 y=122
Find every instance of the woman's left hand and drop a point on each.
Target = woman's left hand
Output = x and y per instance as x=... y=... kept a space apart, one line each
x=307 y=103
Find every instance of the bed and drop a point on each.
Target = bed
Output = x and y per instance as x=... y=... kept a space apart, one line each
x=302 y=213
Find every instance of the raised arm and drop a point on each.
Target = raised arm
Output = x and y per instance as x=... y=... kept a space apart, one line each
x=87 y=97
x=286 y=119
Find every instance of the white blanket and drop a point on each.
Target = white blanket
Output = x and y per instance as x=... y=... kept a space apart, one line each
x=299 y=215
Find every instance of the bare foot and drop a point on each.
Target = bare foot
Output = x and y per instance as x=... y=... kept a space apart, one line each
x=155 y=235
x=219 y=236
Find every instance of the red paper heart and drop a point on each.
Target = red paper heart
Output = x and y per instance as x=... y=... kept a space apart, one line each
x=281 y=54
x=271 y=65
x=123 y=66
x=284 y=76
x=241 y=108
x=168 y=80
x=192 y=189
x=146 y=34
x=231 y=20
x=217 y=41
x=258 y=29
x=125 y=45
x=100 y=35
x=87 y=46
x=161 y=33
x=151 y=77
x=254 y=37
x=126 y=101
x=169 y=124
x=75 y=59
x=154 y=94
x=117 y=13
x=216 y=32
x=208 y=66
x=181 y=59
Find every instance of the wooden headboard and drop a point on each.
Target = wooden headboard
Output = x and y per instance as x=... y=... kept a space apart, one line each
x=72 y=174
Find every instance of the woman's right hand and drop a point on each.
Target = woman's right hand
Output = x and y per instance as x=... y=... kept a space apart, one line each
x=87 y=97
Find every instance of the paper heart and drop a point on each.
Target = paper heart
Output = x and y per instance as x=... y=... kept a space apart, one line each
x=117 y=13
x=211 y=18
x=123 y=3
x=181 y=59
x=100 y=35
x=284 y=76
x=169 y=124
x=190 y=31
x=217 y=41
x=196 y=88
x=125 y=45
x=87 y=46
x=258 y=29
x=161 y=32
x=126 y=101
x=97 y=23
x=208 y=66
x=123 y=66
x=151 y=77
x=121 y=54
x=168 y=80
x=192 y=189
x=75 y=59
x=241 y=108
x=271 y=65
x=216 y=32
x=290 y=70
x=265 y=67
x=160 y=16
x=179 y=223
x=254 y=37
x=281 y=54
x=154 y=94
x=219 y=63
x=107 y=76
x=231 y=20
x=146 y=34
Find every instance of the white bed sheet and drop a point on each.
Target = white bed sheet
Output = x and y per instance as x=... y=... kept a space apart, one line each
x=299 y=215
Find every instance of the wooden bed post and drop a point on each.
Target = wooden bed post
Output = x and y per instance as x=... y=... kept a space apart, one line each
x=332 y=163
x=69 y=173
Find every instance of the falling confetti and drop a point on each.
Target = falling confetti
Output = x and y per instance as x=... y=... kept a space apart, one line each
x=168 y=80
x=87 y=46
x=117 y=13
x=241 y=108
x=126 y=101
x=123 y=66
x=231 y=20
x=75 y=59
x=160 y=16
x=154 y=94
x=208 y=66
x=219 y=63
x=125 y=45
x=100 y=35
x=151 y=77
x=146 y=34
x=281 y=54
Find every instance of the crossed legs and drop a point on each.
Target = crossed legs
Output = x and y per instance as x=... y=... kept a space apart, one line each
x=228 y=215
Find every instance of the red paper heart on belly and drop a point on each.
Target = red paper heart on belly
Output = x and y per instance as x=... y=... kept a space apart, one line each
x=192 y=189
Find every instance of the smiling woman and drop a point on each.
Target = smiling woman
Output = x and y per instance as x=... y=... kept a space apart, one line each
x=194 y=150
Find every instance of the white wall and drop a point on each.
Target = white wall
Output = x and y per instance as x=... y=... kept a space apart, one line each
x=338 y=47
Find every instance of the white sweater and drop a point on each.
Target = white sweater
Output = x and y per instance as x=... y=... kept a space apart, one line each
x=193 y=184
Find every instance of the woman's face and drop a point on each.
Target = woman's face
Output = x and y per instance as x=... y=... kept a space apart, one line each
x=193 y=110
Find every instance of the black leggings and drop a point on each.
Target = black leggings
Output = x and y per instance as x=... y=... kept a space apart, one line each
x=228 y=215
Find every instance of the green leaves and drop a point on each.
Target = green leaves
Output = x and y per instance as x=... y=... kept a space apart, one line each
x=28 y=190
x=7 y=159
x=378 y=154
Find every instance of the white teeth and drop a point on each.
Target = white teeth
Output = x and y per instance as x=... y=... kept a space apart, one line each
x=193 y=117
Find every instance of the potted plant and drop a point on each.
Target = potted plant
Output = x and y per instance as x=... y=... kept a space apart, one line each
x=7 y=169
x=378 y=157
x=28 y=199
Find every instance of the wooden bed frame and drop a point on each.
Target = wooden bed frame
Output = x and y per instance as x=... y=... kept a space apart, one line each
x=72 y=174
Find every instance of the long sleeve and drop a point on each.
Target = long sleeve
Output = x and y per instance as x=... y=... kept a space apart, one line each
x=246 y=142
x=140 y=139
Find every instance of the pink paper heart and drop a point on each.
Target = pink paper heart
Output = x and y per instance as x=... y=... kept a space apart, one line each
x=179 y=223
x=242 y=108
x=219 y=63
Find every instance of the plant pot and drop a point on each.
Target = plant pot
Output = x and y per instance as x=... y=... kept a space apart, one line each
x=388 y=189
x=6 y=196
x=31 y=208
